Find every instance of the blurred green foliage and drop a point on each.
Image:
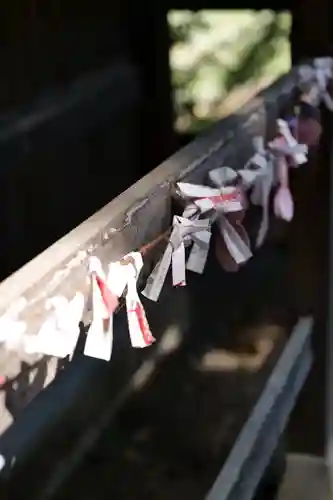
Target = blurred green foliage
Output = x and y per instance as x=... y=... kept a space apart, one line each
x=218 y=58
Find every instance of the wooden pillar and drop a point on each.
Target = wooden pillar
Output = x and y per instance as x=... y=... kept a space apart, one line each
x=149 y=46
x=312 y=36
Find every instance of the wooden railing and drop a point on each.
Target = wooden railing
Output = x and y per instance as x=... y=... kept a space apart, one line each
x=129 y=221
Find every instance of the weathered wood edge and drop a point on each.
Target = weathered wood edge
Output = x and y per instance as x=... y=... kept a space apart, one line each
x=128 y=221
x=252 y=451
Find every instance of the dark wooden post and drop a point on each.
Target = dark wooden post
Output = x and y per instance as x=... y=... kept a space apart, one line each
x=312 y=36
x=149 y=46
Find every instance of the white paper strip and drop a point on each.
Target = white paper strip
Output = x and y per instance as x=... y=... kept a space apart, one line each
x=155 y=281
x=324 y=73
x=58 y=336
x=297 y=151
x=99 y=340
x=265 y=183
x=199 y=252
x=318 y=77
x=223 y=176
x=122 y=276
x=227 y=199
x=139 y=331
x=237 y=248
x=178 y=262
x=222 y=200
x=182 y=234
x=262 y=181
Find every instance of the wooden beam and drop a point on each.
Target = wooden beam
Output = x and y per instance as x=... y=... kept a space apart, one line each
x=156 y=136
x=311 y=37
x=135 y=217
x=113 y=231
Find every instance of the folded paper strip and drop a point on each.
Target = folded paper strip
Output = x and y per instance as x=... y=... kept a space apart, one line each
x=217 y=203
x=185 y=232
x=104 y=302
x=106 y=290
x=314 y=79
x=267 y=168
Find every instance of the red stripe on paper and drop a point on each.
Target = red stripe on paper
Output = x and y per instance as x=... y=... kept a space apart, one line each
x=110 y=300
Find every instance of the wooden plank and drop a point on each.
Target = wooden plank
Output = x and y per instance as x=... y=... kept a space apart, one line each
x=112 y=231
x=329 y=333
x=253 y=449
x=134 y=217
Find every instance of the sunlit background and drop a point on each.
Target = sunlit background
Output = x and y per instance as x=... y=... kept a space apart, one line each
x=220 y=59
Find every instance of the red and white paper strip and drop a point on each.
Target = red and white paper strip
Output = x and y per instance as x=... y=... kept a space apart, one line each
x=99 y=340
x=139 y=330
x=58 y=336
x=106 y=291
x=221 y=177
x=221 y=201
x=318 y=76
x=185 y=231
x=205 y=198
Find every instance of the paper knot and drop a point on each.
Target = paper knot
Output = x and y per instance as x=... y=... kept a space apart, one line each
x=227 y=204
x=185 y=232
x=314 y=80
x=257 y=167
x=268 y=167
x=223 y=199
x=106 y=290
x=286 y=145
